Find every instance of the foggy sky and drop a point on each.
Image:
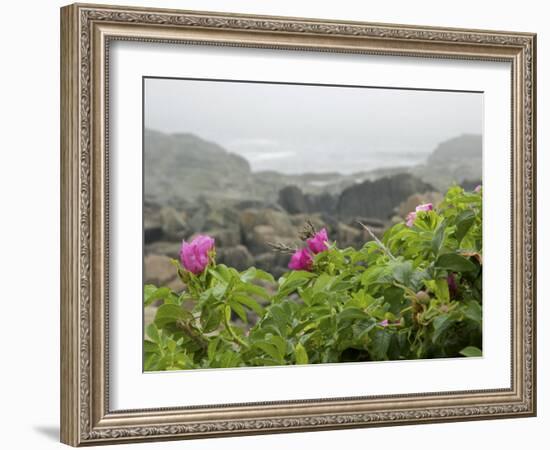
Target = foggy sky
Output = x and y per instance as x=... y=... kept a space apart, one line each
x=268 y=122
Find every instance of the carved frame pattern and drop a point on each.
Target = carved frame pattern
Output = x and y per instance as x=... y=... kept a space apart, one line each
x=86 y=33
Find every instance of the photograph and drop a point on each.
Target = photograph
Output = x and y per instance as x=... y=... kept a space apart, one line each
x=294 y=223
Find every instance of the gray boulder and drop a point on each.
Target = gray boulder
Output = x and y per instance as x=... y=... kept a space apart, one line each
x=173 y=224
x=292 y=199
x=226 y=237
x=378 y=198
x=160 y=272
x=237 y=257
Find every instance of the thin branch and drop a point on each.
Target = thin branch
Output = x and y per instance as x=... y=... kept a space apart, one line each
x=231 y=332
x=378 y=241
x=282 y=248
x=192 y=333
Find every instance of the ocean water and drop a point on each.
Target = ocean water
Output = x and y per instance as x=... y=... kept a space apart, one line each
x=345 y=160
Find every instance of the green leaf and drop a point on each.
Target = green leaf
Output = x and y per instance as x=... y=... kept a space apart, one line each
x=212 y=347
x=441 y=324
x=360 y=299
x=221 y=272
x=239 y=310
x=375 y=274
x=464 y=222
x=210 y=319
x=352 y=314
x=171 y=345
x=153 y=333
x=268 y=348
x=151 y=294
x=439 y=287
x=252 y=289
x=250 y=303
x=323 y=283
x=280 y=343
x=150 y=347
x=256 y=274
x=395 y=299
x=438 y=238
x=300 y=354
x=455 y=263
x=402 y=272
x=293 y=281
x=169 y=313
x=473 y=311
x=379 y=345
x=471 y=351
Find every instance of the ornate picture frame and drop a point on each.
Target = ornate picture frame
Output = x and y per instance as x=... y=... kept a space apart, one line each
x=87 y=31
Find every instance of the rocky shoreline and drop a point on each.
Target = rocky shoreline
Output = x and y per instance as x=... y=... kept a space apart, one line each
x=193 y=186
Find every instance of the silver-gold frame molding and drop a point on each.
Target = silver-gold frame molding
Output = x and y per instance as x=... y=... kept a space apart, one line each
x=86 y=33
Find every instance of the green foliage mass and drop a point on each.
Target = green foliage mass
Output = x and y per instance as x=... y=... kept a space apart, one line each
x=415 y=294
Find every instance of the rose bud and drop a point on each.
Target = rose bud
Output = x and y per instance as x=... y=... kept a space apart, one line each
x=422 y=297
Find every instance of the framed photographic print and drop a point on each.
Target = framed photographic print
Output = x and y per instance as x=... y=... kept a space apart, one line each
x=275 y=224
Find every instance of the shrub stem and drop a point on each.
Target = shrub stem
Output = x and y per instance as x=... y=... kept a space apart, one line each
x=229 y=329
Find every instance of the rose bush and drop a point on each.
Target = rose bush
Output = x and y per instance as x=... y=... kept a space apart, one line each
x=417 y=293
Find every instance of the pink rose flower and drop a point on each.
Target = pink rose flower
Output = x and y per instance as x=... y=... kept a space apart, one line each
x=411 y=217
x=319 y=242
x=425 y=207
x=195 y=255
x=301 y=260
x=477 y=189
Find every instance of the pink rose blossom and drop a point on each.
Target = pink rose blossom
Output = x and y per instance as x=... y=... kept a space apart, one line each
x=411 y=217
x=319 y=242
x=194 y=255
x=301 y=260
x=477 y=189
x=425 y=207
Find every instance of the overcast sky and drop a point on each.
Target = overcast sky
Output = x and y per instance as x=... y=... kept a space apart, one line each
x=285 y=127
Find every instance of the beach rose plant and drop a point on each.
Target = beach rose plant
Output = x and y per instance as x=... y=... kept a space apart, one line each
x=413 y=293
